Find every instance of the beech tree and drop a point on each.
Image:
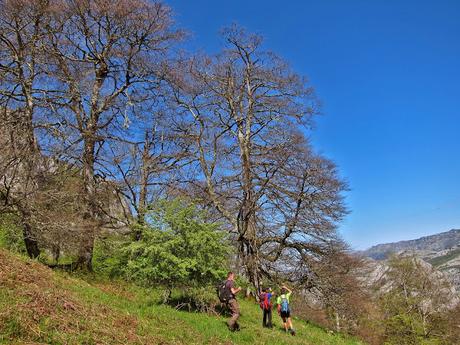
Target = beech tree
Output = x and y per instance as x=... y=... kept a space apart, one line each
x=103 y=58
x=21 y=62
x=93 y=82
x=147 y=165
x=244 y=111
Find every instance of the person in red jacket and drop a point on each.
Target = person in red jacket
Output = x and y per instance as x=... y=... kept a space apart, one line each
x=266 y=305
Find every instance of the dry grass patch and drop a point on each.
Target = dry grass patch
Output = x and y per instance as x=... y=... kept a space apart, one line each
x=36 y=309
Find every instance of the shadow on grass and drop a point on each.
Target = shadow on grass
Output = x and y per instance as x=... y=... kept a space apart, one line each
x=191 y=305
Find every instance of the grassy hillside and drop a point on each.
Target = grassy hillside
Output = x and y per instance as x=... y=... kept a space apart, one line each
x=39 y=306
x=441 y=260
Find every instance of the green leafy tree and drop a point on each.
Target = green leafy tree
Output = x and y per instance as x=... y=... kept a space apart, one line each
x=178 y=248
x=415 y=303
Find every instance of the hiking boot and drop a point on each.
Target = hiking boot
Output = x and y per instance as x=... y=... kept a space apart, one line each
x=292 y=332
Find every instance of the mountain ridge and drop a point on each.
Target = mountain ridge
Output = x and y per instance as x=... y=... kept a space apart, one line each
x=442 y=251
x=437 y=242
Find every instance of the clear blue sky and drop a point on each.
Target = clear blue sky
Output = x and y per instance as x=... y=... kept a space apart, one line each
x=388 y=74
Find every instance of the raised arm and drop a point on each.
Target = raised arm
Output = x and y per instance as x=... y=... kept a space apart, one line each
x=287 y=289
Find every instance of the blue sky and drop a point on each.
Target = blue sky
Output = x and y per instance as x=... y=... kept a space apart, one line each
x=388 y=74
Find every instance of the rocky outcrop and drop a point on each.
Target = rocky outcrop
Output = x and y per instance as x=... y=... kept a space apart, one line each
x=441 y=251
x=378 y=278
x=47 y=194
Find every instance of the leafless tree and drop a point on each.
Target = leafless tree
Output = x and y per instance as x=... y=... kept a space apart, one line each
x=21 y=57
x=146 y=166
x=243 y=110
x=338 y=284
x=92 y=78
x=103 y=57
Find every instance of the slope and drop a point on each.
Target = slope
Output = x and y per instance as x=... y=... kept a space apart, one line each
x=40 y=306
x=440 y=250
x=433 y=243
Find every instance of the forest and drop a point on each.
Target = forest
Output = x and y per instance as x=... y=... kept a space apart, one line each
x=127 y=156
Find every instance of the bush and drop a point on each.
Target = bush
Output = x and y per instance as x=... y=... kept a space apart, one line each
x=178 y=249
x=203 y=299
x=108 y=260
x=11 y=236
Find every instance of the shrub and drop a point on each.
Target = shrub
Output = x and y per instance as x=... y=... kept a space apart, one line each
x=203 y=299
x=108 y=260
x=178 y=249
x=11 y=236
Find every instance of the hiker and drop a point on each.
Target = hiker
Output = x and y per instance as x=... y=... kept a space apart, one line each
x=232 y=302
x=284 y=310
x=266 y=305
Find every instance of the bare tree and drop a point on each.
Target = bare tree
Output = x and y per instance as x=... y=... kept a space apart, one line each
x=88 y=73
x=337 y=283
x=102 y=57
x=21 y=57
x=241 y=111
x=146 y=166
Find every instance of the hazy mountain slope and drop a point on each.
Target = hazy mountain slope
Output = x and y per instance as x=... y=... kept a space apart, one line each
x=434 y=243
x=441 y=250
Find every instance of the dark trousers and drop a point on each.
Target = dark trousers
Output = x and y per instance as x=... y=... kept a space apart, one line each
x=235 y=311
x=267 y=322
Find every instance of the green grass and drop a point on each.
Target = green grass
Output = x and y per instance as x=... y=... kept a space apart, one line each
x=45 y=307
x=198 y=328
x=445 y=268
x=441 y=260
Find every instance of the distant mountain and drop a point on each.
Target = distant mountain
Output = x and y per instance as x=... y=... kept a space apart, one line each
x=434 y=243
x=442 y=251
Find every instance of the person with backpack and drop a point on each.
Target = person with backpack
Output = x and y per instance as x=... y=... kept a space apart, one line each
x=227 y=294
x=284 y=309
x=266 y=305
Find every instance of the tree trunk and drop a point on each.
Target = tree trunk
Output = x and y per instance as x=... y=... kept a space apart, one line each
x=248 y=244
x=142 y=206
x=337 y=321
x=89 y=190
x=85 y=258
x=31 y=243
x=31 y=157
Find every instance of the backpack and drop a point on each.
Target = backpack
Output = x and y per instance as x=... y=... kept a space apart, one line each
x=223 y=292
x=264 y=302
x=284 y=305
